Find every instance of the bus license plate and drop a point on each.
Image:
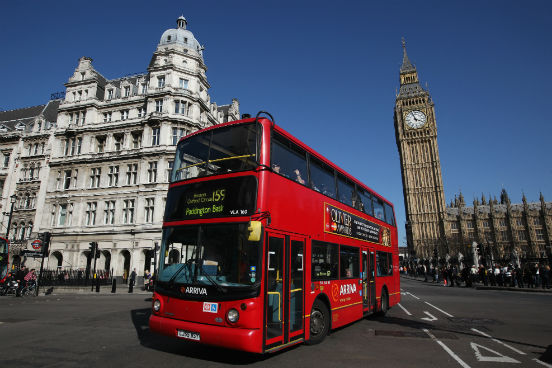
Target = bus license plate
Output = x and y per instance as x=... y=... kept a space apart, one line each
x=188 y=335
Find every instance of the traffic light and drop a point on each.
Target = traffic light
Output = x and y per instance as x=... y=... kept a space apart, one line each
x=94 y=250
x=45 y=239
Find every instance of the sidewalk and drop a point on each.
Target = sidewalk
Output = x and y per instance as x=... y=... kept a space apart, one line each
x=121 y=289
x=478 y=286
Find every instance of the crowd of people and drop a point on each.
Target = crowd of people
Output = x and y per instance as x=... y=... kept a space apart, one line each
x=530 y=275
x=22 y=278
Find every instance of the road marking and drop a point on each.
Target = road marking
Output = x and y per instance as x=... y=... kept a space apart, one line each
x=432 y=317
x=412 y=295
x=404 y=309
x=498 y=341
x=498 y=358
x=542 y=363
x=440 y=310
x=447 y=349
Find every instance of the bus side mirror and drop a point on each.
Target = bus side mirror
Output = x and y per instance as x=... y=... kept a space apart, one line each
x=254 y=231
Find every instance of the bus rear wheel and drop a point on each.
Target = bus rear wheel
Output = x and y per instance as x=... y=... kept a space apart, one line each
x=319 y=322
x=384 y=303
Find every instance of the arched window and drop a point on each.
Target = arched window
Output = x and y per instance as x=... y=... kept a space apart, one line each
x=21 y=231
x=29 y=230
x=13 y=232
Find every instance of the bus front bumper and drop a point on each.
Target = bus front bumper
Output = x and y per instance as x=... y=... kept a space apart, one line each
x=227 y=337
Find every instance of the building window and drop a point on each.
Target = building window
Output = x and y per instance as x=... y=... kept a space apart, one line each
x=124 y=114
x=170 y=165
x=485 y=223
x=109 y=212
x=152 y=172
x=454 y=226
x=95 y=175
x=136 y=139
x=537 y=221
x=540 y=234
x=107 y=117
x=159 y=105
x=177 y=133
x=113 y=176
x=469 y=225
x=127 y=91
x=100 y=144
x=150 y=204
x=161 y=81
x=110 y=94
x=504 y=235
x=502 y=222
x=118 y=141
x=128 y=211
x=155 y=132
x=183 y=83
x=522 y=235
x=6 y=159
x=144 y=88
x=67 y=179
x=519 y=222
x=141 y=112
x=91 y=213
x=132 y=173
x=62 y=215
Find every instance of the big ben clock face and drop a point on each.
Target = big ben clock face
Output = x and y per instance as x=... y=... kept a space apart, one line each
x=415 y=119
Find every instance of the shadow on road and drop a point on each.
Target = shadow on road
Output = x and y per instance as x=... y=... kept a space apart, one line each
x=140 y=319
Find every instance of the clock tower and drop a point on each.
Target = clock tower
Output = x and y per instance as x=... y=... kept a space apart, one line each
x=416 y=135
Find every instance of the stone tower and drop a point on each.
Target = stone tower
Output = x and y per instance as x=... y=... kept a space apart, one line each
x=416 y=135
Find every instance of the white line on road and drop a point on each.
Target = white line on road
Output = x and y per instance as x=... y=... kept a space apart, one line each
x=542 y=363
x=440 y=310
x=498 y=341
x=496 y=357
x=431 y=317
x=447 y=349
x=412 y=295
x=399 y=304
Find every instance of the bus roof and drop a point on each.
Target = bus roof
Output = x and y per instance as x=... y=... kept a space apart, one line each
x=265 y=121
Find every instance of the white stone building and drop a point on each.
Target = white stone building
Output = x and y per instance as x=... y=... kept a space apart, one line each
x=110 y=152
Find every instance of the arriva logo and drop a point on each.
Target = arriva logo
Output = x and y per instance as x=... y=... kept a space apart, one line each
x=347 y=289
x=196 y=290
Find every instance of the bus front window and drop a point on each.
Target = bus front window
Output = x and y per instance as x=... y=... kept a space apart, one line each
x=219 y=255
x=220 y=151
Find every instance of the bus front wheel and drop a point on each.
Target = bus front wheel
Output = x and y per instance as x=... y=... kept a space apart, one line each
x=319 y=322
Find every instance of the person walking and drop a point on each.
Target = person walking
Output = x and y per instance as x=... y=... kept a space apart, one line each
x=20 y=278
x=132 y=280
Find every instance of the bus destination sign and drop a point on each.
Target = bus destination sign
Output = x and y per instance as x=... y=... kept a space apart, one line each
x=339 y=222
x=210 y=199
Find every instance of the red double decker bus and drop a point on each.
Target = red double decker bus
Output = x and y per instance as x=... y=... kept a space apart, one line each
x=267 y=244
x=4 y=255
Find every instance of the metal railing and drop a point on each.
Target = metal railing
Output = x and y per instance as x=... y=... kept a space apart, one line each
x=73 y=278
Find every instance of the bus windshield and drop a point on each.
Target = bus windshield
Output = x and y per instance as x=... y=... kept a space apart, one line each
x=217 y=255
x=218 y=151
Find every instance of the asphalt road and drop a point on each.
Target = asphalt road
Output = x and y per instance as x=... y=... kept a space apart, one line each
x=434 y=326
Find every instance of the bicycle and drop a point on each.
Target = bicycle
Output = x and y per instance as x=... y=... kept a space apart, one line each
x=29 y=290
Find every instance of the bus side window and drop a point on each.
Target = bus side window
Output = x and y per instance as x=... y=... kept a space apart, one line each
x=288 y=160
x=366 y=201
x=322 y=178
x=325 y=261
x=378 y=209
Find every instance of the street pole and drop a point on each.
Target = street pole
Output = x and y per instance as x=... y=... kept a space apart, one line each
x=13 y=198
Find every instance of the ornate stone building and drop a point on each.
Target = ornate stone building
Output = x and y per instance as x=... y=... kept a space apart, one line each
x=504 y=232
x=501 y=230
x=105 y=156
x=416 y=136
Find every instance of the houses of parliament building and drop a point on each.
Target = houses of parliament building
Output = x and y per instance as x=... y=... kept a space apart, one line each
x=499 y=229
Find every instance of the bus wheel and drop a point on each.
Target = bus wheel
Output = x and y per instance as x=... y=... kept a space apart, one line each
x=319 y=322
x=384 y=303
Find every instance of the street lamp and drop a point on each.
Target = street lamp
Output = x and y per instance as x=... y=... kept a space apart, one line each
x=13 y=198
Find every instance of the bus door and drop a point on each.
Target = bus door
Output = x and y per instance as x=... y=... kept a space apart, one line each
x=284 y=290
x=368 y=281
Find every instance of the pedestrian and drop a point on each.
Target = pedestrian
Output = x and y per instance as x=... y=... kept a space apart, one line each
x=20 y=278
x=132 y=280
x=545 y=276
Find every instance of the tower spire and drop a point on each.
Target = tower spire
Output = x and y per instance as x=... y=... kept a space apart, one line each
x=406 y=64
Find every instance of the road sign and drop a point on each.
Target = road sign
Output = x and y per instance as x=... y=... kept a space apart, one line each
x=37 y=244
x=32 y=254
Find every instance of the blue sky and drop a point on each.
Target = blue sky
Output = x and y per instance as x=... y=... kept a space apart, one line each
x=328 y=72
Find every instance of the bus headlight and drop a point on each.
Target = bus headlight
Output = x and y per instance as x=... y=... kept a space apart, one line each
x=156 y=305
x=233 y=315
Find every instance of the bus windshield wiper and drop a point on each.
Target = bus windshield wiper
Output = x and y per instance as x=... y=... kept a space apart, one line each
x=212 y=281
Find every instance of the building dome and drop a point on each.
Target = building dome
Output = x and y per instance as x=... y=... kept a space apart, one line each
x=181 y=36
